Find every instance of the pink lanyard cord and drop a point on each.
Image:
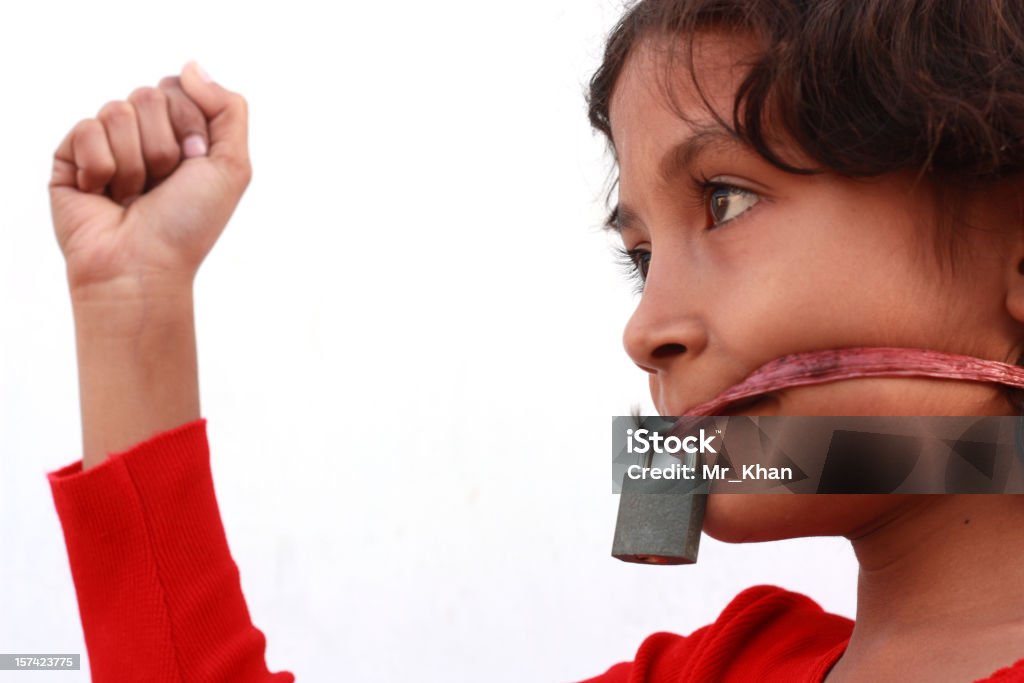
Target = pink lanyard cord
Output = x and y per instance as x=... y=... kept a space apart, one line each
x=820 y=367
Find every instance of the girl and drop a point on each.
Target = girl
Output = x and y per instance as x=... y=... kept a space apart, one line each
x=800 y=176
x=793 y=176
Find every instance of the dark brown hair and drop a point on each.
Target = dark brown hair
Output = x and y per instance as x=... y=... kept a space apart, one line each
x=863 y=87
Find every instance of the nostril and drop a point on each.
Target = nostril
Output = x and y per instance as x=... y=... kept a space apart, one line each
x=668 y=351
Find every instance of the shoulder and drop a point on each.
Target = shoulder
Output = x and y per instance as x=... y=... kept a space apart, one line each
x=769 y=617
x=769 y=604
x=765 y=633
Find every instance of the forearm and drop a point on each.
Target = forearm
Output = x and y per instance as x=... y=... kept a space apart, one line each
x=136 y=363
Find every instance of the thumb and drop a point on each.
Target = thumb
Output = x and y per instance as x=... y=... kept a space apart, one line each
x=226 y=112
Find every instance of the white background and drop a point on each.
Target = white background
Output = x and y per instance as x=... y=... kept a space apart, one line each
x=409 y=340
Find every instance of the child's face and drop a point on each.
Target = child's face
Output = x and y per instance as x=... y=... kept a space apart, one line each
x=765 y=263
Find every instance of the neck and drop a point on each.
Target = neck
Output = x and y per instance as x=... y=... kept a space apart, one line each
x=942 y=570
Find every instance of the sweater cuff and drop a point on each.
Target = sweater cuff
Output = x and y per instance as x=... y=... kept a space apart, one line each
x=158 y=591
x=165 y=457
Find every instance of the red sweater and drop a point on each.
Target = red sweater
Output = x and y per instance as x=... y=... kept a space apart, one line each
x=160 y=597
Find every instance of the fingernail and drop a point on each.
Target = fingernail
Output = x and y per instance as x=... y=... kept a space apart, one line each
x=194 y=146
x=202 y=73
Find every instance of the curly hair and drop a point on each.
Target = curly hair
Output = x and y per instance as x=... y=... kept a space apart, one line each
x=863 y=87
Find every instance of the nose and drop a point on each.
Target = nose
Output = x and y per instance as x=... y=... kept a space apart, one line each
x=663 y=331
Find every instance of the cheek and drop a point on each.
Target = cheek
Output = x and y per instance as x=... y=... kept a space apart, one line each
x=843 y=270
x=736 y=518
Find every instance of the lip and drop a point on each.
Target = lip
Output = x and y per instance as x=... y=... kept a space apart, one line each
x=735 y=379
x=750 y=406
x=746 y=406
x=685 y=407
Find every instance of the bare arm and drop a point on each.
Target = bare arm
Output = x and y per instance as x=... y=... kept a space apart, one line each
x=136 y=367
x=139 y=196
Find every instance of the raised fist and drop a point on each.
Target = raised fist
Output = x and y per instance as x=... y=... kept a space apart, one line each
x=141 y=192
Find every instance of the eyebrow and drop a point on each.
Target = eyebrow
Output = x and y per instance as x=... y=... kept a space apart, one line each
x=675 y=161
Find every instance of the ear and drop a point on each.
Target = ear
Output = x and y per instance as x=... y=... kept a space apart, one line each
x=1015 y=287
x=1014 y=263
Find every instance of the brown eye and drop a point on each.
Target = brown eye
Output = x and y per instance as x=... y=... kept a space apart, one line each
x=726 y=202
x=642 y=262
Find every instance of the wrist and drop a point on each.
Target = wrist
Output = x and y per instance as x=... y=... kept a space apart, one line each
x=130 y=284
x=132 y=305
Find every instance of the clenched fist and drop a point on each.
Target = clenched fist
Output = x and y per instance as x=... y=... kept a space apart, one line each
x=141 y=192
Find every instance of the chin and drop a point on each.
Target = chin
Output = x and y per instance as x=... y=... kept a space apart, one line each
x=752 y=518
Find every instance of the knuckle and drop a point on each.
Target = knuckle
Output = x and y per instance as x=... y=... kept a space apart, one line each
x=132 y=175
x=165 y=157
x=189 y=116
x=240 y=169
x=246 y=173
x=116 y=112
x=101 y=167
x=148 y=96
x=86 y=127
x=240 y=104
x=169 y=82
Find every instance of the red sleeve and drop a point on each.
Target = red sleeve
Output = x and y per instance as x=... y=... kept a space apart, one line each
x=158 y=592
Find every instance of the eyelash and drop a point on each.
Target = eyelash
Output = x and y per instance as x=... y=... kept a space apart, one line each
x=636 y=262
x=630 y=262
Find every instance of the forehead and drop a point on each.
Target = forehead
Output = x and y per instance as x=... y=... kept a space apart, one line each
x=656 y=102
